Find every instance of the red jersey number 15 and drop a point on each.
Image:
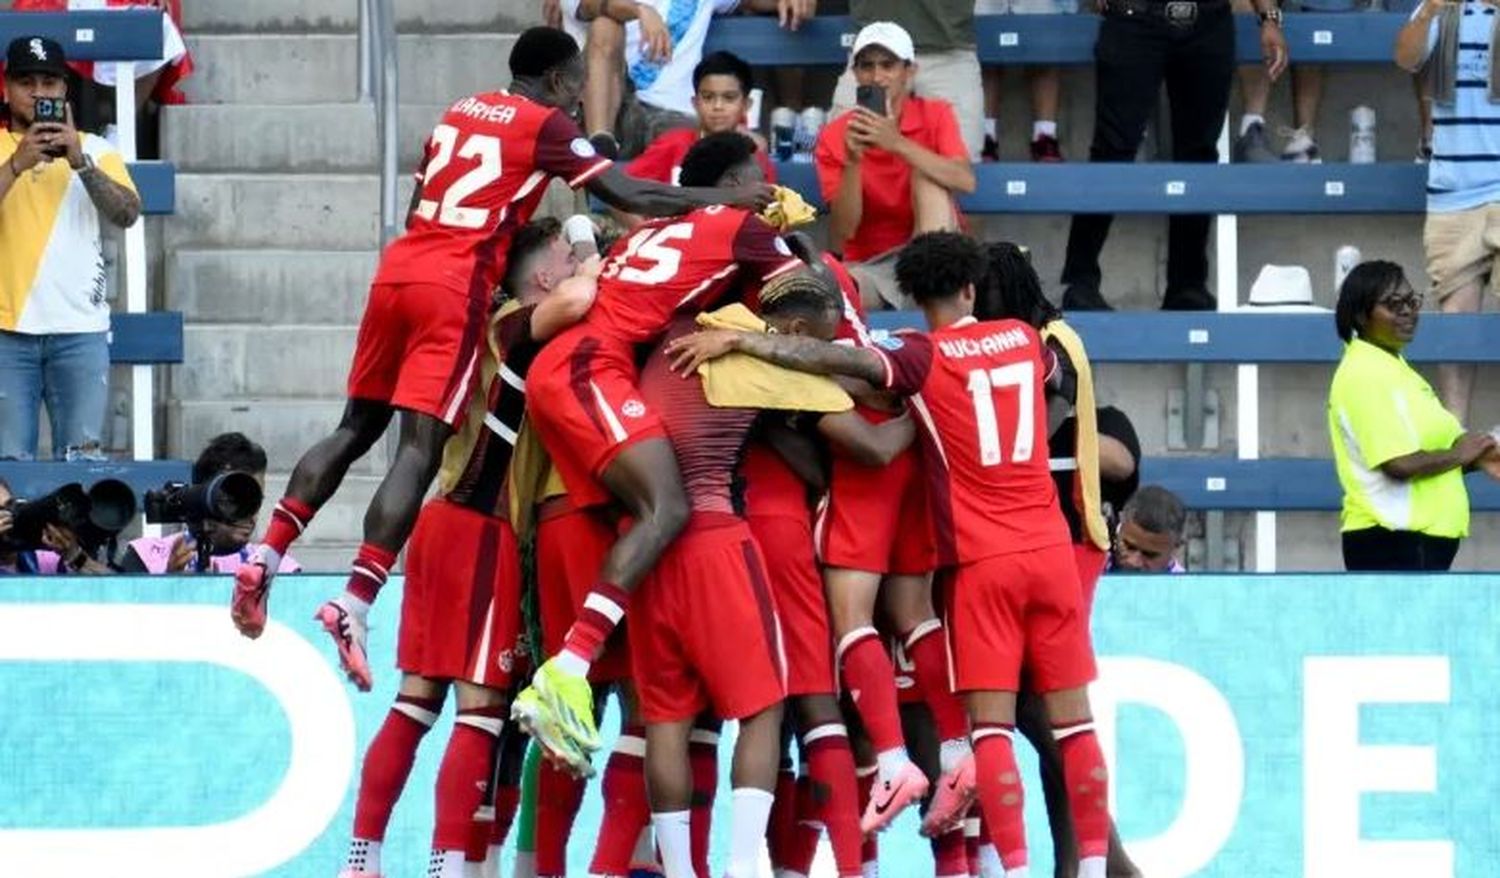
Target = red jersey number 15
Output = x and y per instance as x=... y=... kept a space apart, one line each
x=984 y=385
x=648 y=257
x=450 y=210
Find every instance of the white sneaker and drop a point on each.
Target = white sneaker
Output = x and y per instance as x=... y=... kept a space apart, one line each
x=1301 y=148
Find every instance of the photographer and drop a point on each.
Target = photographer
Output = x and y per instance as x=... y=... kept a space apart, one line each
x=55 y=184
x=229 y=541
x=62 y=554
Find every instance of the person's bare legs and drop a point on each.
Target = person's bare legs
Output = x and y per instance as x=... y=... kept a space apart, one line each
x=1424 y=114
x=933 y=209
x=1307 y=94
x=669 y=788
x=603 y=90
x=1456 y=381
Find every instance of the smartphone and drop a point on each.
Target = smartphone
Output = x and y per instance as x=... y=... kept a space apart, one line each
x=51 y=111
x=872 y=98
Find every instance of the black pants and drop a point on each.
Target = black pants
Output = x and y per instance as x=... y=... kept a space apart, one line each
x=1131 y=59
x=1376 y=548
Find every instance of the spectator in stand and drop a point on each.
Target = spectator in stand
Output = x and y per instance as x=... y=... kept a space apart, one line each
x=945 y=63
x=229 y=542
x=888 y=177
x=1400 y=455
x=1253 y=143
x=1453 y=44
x=1150 y=534
x=657 y=43
x=55 y=184
x=1190 y=46
x=721 y=100
x=1045 y=84
x=63 y=553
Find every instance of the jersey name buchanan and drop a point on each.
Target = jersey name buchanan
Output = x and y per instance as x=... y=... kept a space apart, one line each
x=994 y=343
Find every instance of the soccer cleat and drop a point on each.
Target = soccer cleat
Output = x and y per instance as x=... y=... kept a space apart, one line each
x=569 y=699
x=348 y=632
x=527 y=712
x=252 y=590
x=893 y=795
x=955 y=795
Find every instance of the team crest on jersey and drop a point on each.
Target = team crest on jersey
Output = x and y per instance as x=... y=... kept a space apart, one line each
x=633 y=408
x=582 y=148
x=890 y=342
x=506 y=661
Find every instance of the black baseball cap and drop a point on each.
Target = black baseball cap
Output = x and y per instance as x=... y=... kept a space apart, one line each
x=35 y=55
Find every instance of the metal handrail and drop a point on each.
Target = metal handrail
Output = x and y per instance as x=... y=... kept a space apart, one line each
x=378 y=76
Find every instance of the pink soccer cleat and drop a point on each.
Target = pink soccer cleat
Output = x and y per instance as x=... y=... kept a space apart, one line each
x=893 y=795
x=252 y=590
x=955 y=795
x=348 y=632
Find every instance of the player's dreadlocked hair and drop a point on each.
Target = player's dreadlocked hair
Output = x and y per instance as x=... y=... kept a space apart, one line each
x=531 y=239
x=798 y=295
x=1011 y=288
x=538 y=50
x=938 y=265
x=714 y=156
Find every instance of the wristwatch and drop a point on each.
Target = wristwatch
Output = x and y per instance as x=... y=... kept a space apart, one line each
x=1271 y=16
x=88 y=165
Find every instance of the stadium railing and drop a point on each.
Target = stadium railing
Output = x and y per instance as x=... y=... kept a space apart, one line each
x=138 y=338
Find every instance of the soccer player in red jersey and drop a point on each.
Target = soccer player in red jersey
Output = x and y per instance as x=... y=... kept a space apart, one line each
x=607 y=443
x=978 y=389
x=485 y=170
x=460 y=610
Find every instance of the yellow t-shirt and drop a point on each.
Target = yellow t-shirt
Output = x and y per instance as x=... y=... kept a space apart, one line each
x=51 y=263
x=1379 y=409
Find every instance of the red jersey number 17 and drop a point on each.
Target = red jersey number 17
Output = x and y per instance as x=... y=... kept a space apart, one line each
x=984 y=384
x=451 y=212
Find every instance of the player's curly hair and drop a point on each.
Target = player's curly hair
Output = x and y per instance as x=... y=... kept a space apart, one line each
x=1011 y=288
x=714 y=156
x=938 y=265
x=1360 y=291
x=798 y=294
x=539 y=49
x=529 y=240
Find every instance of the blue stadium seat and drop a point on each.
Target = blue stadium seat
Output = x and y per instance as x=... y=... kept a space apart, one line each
x=1156 y=188
x=157 y=184
x=154 y=337
x=112 y=35
x=1283 y=484
x=1314 y=38
x=38 y=478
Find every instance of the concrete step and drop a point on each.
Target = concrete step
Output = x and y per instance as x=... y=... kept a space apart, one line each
x=285 y=427
x=220 y=16
x=303 y=139
x=289 y=211
x=269 y=286
x=323 y=68
x=227 y=361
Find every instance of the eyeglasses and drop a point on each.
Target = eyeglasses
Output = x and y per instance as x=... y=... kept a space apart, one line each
x=1401 y=302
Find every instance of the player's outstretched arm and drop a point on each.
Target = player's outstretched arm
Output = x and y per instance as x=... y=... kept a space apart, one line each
x=650 y=198
x=866 y=443
x=790 y=351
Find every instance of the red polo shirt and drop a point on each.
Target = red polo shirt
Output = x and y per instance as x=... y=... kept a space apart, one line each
x=885 y=179
x=662 y=160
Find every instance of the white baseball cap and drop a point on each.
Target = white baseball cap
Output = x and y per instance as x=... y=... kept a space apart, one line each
x=889 y=36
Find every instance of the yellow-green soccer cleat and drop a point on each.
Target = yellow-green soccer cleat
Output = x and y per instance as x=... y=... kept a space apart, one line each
x=527 y=712
x=569 y=700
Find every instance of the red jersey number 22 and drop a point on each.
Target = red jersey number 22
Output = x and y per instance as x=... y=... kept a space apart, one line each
x=451 y=212
x=984 y=384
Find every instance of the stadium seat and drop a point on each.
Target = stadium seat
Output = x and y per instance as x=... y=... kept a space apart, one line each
x=157 y=184
x=1286 y=484
x=151 y=338
x=37 y=478
x=113 y=35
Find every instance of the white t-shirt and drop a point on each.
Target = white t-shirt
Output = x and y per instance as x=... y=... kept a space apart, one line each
x=669 y=86
x=578 y=30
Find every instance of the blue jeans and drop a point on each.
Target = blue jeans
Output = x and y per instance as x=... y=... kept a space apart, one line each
x=70 y=372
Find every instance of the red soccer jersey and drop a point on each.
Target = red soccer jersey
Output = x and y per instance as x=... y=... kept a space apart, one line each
x=683 y=263
x=484 y=171
x=977 y=389
x=852 y=327
x=662 y=160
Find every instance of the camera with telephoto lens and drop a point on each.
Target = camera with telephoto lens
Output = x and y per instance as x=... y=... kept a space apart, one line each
x=227 y=497
x=96 y=516
x=51 y=111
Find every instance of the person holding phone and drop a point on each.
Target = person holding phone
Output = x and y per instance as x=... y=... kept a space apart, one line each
x=890 y=168
x=55 y=184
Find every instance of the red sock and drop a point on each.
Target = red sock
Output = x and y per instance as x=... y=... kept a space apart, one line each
x=388 y=763
x=973 y=835
x=830 y=764
x=626 y=811
x=870 y=679
x=372 y=564
x=783 y=816
x=463 y=776
x=483 y=836
x=805 y=830
x=703 y=753
x=864 y=779
x=288 y=520
x=602 y=611
x=1000 y=792
x=950 y=855
x=557 y=799
x=928 y=651
x=1088 y=786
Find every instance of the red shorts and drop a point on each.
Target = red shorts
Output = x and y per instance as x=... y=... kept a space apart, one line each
x=418 y=349
x=800 y=604
x=584 y=404
x=1022 y=608
x=461 y=606
x=570 y=548
x=1090 y=560
x=703 y=627
x=876 y=519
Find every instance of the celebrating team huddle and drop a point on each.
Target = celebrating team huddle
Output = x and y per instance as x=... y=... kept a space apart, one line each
x=740 y=502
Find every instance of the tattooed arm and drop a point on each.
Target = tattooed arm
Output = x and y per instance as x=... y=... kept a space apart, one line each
x=797 y=352
x=116 y=203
